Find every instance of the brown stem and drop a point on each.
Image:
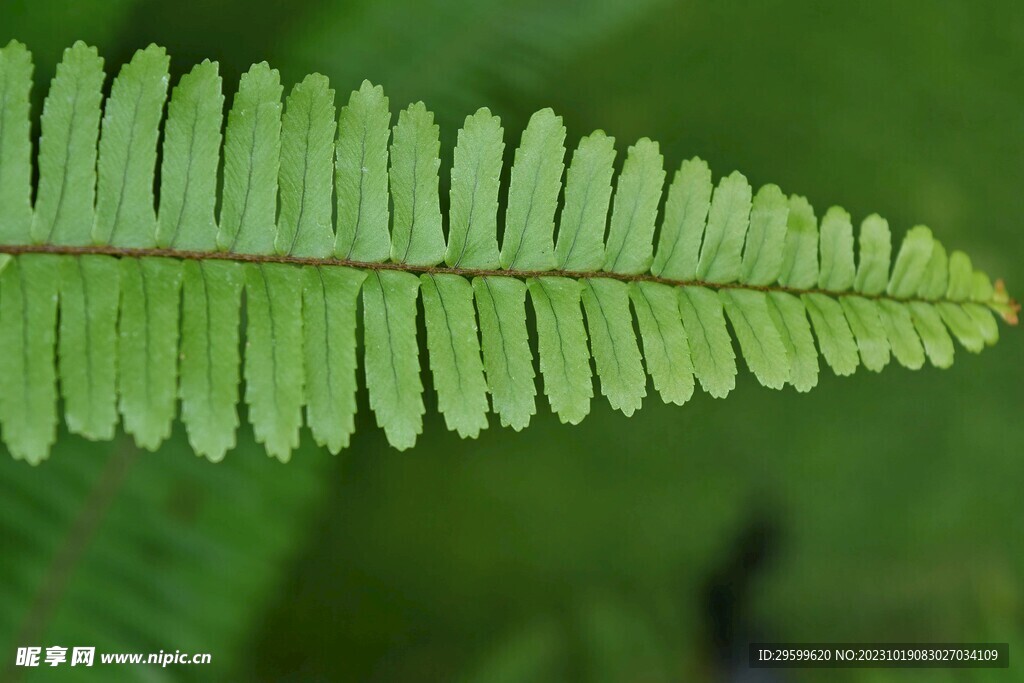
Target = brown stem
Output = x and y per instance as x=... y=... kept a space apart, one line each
x=106 y=250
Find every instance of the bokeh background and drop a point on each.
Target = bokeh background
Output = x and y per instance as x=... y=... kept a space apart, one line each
x=649 y=549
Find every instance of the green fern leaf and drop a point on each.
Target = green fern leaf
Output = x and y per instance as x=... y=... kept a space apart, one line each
x=800 y=249
x=508 y=361
x=533 y=195
x=211 y=295
x=472 y=230
x=125 y=215
x=984 y=321
x=128 y=310
x=911 y=263
x=937 y=344
x=274 y=371
x=790 y=318
x=875 y=256
x=307 y=160
x=686 y=210
x=720 y=254
x=252 y=157
x=392 y=355
x=329 y=297
x=67 y=150
x=416 y=237
x=766 y=240
x=16 y=143
x=361 y=177
x=866 y=325
x=28 y=317
x=936 y=274
x=588 y=191
x=562 y=343
x=836 y=271
x=666 y=347
x=962 y=325
x=833 y=332
x=90 y=292
x=455 y=352
x=759 y=339
x=613 y=343
x=147 y=347
x=714 y=362
x=899 y=329
x=629 y=249
x=191 y=154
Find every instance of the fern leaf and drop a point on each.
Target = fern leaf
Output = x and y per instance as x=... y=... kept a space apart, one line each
x=588 y=191
x=147 y=347
x=307 y=159
x=392 y=355
x=508 y=361
x=800 y=250
x=790 y=318
x=562 y=342
x=473 y=227
x=984 y=321
x=613 y=343
x=759 y=339
x=962 y=325
x=875 y=256
x=455 y=352
x=127 y=310
x=936 y=274
x=28 y=318
x=67 y=150
x=16 y=143
x=629 y=249
x=211 y=294
x=416 y=237
x=273 y=357
x=937 y=344
x=766 y=238
x=983 y=290
x=867 y=329
x=833 y=332
x=899 y=329
x=329 y=297
x=252 y=158
x=361 y=177
x=714 y=362
x=533 y=195
x=836 y=271
x=191 y=154
x=728 y=219
x=911 y=263
x=89 y=302
x=666 y=348
x=125 y=216
x=686 y=210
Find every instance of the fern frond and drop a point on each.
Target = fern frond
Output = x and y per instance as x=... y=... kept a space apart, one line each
x=123 y=308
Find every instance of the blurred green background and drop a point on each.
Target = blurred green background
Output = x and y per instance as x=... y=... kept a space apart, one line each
x=878 y=508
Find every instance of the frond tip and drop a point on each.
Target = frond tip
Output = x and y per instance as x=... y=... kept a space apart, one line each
x=122 y=309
